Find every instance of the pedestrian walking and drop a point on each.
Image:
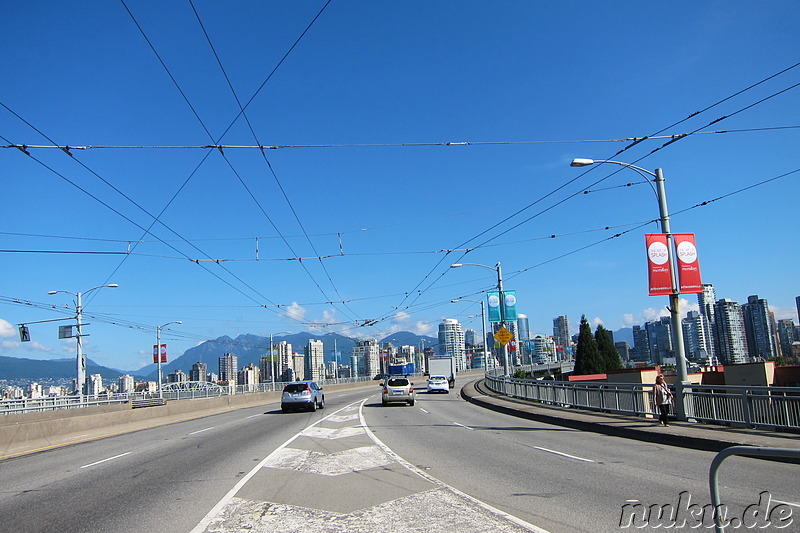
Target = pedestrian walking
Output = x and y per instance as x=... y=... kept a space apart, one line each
x=662 y=397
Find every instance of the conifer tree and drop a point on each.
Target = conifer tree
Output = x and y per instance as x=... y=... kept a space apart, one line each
x=609 y=355
x=587 y=355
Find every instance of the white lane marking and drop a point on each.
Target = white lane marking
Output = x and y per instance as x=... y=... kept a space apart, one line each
x=104 y=460
x=463 y=426
x=200 y=527
x=424 y=411
x=493 y=510
x=200 y=431
x=563 y=454
x=252 y=416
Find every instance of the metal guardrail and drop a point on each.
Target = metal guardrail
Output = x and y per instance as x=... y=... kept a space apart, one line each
x=747 y=451
x=753 y=407
x=52 y=403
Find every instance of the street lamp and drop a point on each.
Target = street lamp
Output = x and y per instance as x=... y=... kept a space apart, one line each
x=272 y=356
x=158 y=353
x=674 y=297
x=483 y=324
x=81 y=363
x=502 y=303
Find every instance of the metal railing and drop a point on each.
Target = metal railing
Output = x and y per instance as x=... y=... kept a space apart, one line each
x=52 y=403
x=746 y=451
x=753 y=407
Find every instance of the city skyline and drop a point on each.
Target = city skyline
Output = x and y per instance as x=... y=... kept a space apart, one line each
x=389 y=159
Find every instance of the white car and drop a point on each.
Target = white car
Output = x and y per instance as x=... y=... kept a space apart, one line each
x=438 y=384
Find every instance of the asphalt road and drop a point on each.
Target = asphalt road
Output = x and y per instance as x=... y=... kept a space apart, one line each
x=215 y=473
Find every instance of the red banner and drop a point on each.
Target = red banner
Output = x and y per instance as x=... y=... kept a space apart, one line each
x=688 y=265
x=163 y=353
x=512 y=345
x=658 y=266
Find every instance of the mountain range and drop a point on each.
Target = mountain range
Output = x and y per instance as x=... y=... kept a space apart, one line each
x=248 y=348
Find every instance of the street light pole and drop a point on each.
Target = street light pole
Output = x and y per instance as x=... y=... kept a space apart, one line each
x=81 y=359
x=674 y=297
x=483 y=326
x=158 y=354
x=499 y=271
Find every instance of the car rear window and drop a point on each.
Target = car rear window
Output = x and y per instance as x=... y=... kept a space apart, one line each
x=398 y=382
x=295 y=387
x=437 y=378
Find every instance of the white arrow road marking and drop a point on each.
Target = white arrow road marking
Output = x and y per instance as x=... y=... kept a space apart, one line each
x=332 y=434
x=333 y=464
x=217 y=509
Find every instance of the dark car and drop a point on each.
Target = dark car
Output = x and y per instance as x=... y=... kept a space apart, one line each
x=302 y=395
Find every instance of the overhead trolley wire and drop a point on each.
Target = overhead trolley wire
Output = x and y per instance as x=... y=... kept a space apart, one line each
x=223 y=147
x=263 y=155
x=580 y=175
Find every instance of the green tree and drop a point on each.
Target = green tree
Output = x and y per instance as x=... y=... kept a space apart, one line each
x=587 y=355
x=608 y=352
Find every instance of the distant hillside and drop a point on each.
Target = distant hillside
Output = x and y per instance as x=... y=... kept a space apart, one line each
x=14 y=368
x=250 y=348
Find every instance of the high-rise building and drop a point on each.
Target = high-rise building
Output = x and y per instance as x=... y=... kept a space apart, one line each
x=315 y=360
x=126 y=384
x=469 y=337
x=284 y=354
x=797 y=302
x=697 y=338
x=729 y=333
x=523 y=328
x=758 y=329
x=367 y=356
x=178 y=376
x=706 y=301
x=95 y=385
x=228 y=368
x=786 y=336
x=451 y=342
x=248 y=376
x=641 y=345
x=659 y=335
x=199 y=372
x=544 y=350
x=561 y=331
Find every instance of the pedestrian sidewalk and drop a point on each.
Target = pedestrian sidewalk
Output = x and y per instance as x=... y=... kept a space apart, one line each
x=693 y=435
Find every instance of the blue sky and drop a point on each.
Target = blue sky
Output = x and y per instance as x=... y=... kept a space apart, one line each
x=363 y=107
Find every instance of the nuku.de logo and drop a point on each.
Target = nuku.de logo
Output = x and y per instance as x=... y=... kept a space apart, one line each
x=688 y=515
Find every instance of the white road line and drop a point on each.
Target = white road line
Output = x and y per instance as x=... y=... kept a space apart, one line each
x=252 y=416
x=425 y=475
x=200 y=431
x=564 y=454
x=463 y=426
x=424 y=411
x=199 y=528
x=109 y=459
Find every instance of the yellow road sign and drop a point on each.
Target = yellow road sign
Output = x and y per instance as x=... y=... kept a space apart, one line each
x=503 y=336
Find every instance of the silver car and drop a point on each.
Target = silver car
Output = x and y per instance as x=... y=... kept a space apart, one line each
x=302 y=395
x=397 y=389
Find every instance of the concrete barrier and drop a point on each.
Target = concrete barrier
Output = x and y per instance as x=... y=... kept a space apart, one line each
x=31 y=432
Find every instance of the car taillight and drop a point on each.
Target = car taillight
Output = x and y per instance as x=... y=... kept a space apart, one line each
x=410 y=390
x=386 y=390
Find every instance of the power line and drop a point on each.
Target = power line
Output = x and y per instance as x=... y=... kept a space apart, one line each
x=224 y=147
